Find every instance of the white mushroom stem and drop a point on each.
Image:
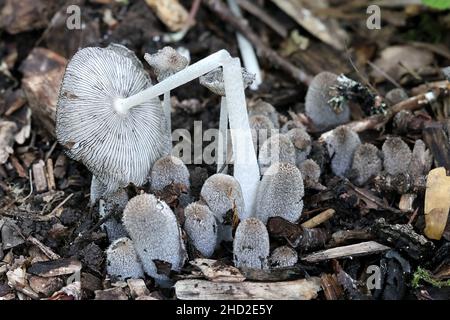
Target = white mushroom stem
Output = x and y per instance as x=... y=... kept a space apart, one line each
x=222 y=145
x=167 y=106
x=246 y=169
x=247 y=52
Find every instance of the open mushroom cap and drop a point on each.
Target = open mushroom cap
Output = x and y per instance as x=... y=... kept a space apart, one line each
x=214 y=80
x=122 y=260
x=280 y=193
x=251 y=245
x=166 y=62
x=117 y=148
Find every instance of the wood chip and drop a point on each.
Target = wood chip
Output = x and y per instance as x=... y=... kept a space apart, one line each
x=55 y=268
x=137 y=288
x=45 y=286
x=17 y=280
x=18 y=167
x=303 y=289
x=331 y=287
x=216 y=271
x=170 y=12
x=7 y=131
x=50 y=175
x=43 y=71
x=111 y=294
x=363 y=248
x=39 y=176
x=46 y=250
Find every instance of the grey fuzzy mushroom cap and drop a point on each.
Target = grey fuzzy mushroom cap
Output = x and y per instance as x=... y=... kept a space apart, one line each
x=168 y=170
x=166 y=62
x=283 y=257
x=262 y=128
x=223 y=193
x=302 y=143
x=341 y=145
x=317 y=106
x=310 y=171
x=156 y=235
x=397 y=156
x=213 y=80
x=122 y=260
x=280 y=193
x=201 y=227
x=251 y=245
x=278 y=148
x=114 y=204
x=366 y=164
x=421 y=160
x=117 y=148
x=263 y=108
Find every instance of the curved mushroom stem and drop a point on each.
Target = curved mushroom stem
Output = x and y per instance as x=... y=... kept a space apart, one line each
x=222 y=145
x=246 y=169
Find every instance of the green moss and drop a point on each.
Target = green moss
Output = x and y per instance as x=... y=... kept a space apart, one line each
x=437 y=4
x=424 y=275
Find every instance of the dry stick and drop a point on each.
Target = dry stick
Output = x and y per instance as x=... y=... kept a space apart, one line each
x=411 y=104
x=262 y=50
x=61 y=204
x=320 y=218
x=263 y=16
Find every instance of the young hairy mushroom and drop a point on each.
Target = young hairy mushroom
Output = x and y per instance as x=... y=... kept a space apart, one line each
x=310 y=171
x=156 y=235
x=283 y=257
x=278 y=148
x=302 y=143
x=118 y=146
x=262 y=108
x=251 y=246
x=165 y=63
x=201 y=226
x=113 y=204
x=366 y=164
x=317 y=103
x=262 y=129
x=122 y=261
x=280 y=193
x=396 y=156
x=169 y=170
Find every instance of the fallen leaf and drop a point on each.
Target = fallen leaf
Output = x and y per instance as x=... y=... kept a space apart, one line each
x=7 y=131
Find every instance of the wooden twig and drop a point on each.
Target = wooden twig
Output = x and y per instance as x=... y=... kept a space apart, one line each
x=262 y=50
x=46 y=250
x=304 y=289
x=258 y=12
x=61 y=204
x=320 y=218
x=353 y=250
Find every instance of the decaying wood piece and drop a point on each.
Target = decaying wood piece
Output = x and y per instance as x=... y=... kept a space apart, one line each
x=39 y=176
x=297 y=236
x=404 y=238
x=277 y=274
x=438 y=143
x=170 y=12
x=43 y=71
x=331 y=287
x=216 y=271
x=46 y=250
x=137 y=288
x=50 y=175
x=7 y=131
x=17 y=280
x=319 y=219
x=343 y=236
x=363 y=248
x=55 y=268
x=304 y=289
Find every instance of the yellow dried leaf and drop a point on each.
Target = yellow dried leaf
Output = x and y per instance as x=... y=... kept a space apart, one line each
x=437 y=203
x=170 y=12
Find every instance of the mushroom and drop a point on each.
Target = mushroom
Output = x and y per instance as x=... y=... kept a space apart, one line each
x=262 y=128
x=292 y=124
x=318 y=103
x=310 y=171
x=366 y=163
x=113 y=205
x=278 y=148
x=156 y=235
x=396 y=156
x=201 y=227
x=122 y=261
x=421 y=161
x=223 y=195
x=262 y=108
x=302 y=144
x=283 y=257
x=341 y=145
x=251 y=245
x=246 y=169
x=280 y=193
x=119 y=147
x=165 y=63
x=169 y=170
x=214 y=81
